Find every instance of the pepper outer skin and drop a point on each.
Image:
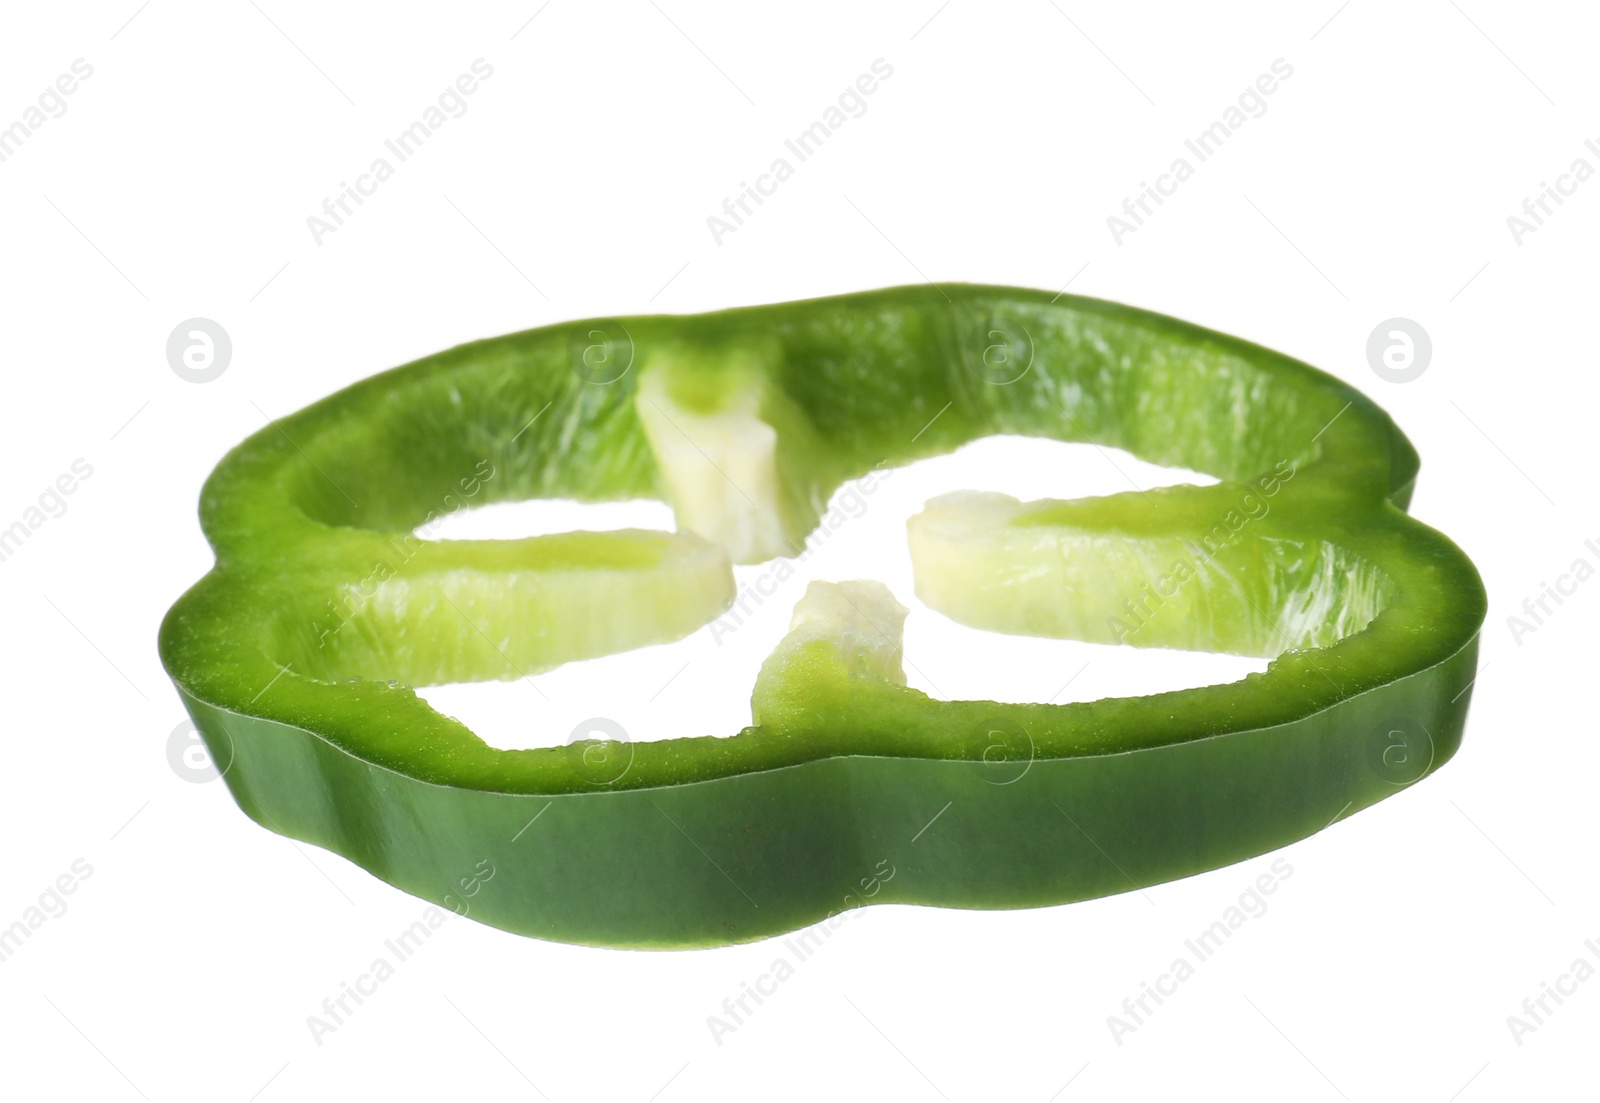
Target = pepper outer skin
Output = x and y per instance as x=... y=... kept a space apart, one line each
x=709 y=840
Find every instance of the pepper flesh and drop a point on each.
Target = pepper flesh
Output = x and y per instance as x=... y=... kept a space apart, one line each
x=295 y=653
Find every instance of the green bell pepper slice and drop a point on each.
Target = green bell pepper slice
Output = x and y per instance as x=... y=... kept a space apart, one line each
x=295 y=654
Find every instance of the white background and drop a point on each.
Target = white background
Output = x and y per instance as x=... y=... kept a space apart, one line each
x=1377 y=184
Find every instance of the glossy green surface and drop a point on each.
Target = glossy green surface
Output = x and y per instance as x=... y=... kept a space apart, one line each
x=288 y=653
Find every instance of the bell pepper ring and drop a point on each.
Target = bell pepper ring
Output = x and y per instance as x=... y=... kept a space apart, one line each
x=294 y=655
